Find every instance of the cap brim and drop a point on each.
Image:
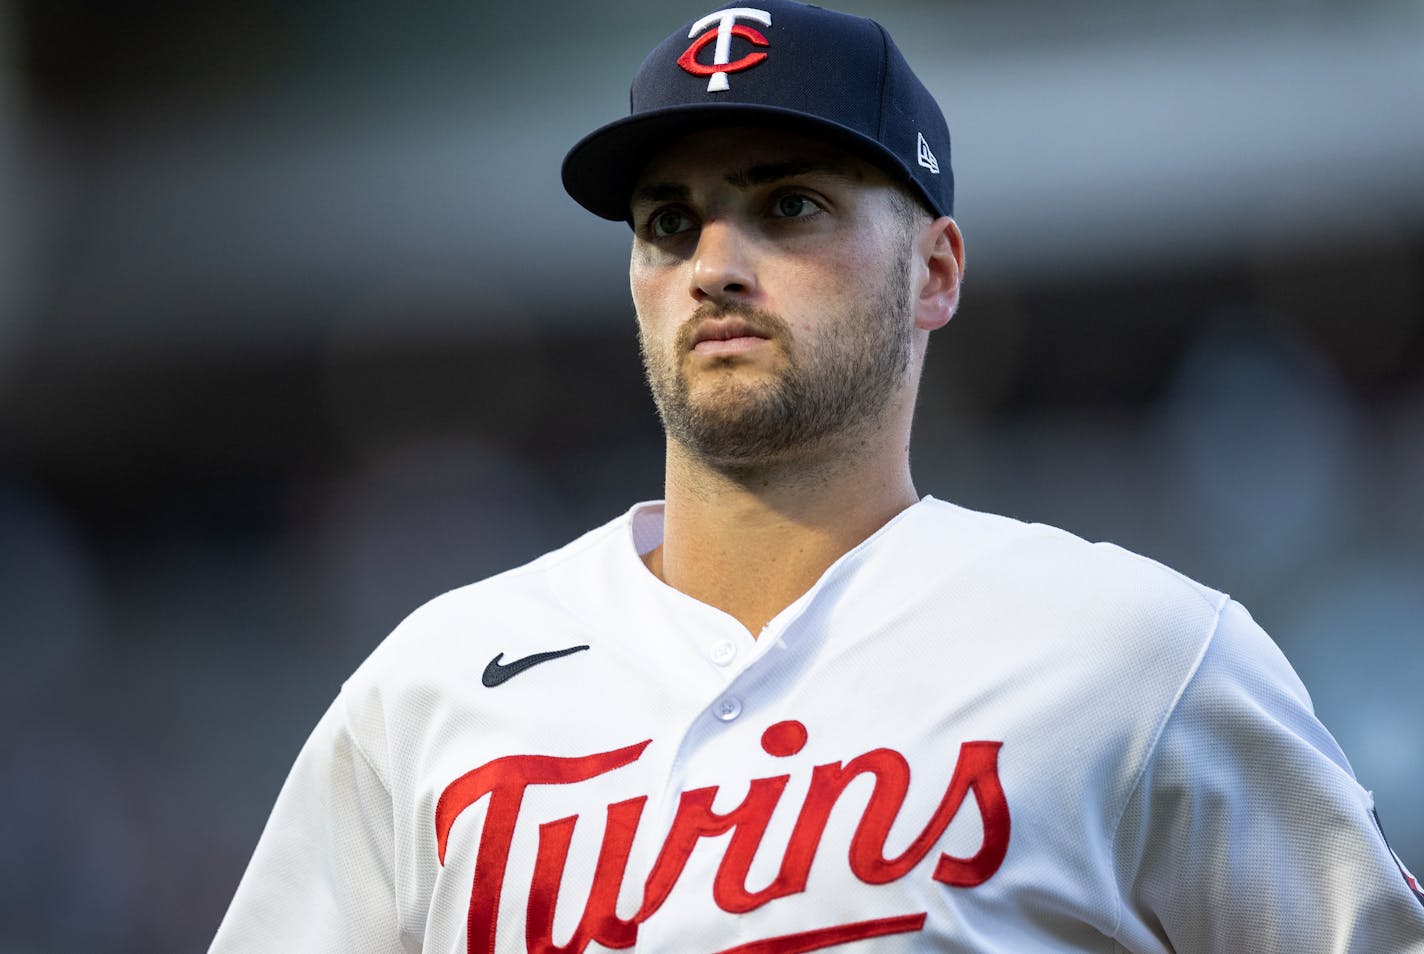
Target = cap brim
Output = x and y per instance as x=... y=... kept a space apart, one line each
x=601 y=169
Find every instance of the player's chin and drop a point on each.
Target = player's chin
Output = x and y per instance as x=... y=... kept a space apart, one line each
x=729 y=397
x=731 y=382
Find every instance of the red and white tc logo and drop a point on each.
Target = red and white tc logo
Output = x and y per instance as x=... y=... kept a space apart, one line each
x=727 y=27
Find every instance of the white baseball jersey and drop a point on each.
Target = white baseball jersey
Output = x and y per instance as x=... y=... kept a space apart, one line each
x=971 y=735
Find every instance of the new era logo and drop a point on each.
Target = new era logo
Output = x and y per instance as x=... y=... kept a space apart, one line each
x=925 y=156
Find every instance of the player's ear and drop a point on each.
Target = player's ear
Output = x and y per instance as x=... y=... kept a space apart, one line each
x=939 y=251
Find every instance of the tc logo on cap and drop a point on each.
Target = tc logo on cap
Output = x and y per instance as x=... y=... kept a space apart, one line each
x=727 y=27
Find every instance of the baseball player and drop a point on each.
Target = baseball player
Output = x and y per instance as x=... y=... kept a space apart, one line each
x=796 y=706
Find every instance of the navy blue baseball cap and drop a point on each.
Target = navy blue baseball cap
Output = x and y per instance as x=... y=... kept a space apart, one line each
x=781 y=64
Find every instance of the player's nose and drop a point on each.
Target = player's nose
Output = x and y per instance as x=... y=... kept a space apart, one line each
x=722 y=266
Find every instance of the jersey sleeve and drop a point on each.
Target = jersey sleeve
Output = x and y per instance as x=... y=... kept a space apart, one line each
x=321 y=880
x=1247 y=830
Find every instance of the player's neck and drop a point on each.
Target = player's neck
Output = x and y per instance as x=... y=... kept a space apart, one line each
x=751 y=541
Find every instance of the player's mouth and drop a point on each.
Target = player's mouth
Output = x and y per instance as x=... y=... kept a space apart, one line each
x=725 y=336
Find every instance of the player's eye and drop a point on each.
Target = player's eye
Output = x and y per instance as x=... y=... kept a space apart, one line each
x=668 y=222
x=794 y=205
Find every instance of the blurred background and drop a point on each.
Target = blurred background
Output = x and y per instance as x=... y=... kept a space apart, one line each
x=298 y=330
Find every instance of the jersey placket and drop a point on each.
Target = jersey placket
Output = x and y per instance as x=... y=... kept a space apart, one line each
x=731 y=721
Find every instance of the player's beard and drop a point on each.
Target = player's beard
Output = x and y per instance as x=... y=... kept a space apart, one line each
x=836 y=384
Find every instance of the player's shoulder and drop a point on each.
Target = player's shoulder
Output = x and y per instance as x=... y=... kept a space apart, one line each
x=1054 y=587
x=534 y=596
x=536 y=582
x=1040 y=553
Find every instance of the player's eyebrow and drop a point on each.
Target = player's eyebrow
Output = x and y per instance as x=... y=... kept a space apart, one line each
x=662 y=192
x=768 y=172
x=760 y=174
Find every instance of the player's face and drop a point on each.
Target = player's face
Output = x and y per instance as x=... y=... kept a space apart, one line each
x=770 y=273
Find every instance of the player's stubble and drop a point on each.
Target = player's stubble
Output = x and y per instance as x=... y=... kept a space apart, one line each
x=838 y=382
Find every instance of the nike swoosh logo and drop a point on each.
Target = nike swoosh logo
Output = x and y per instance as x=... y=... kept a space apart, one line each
x=497 y=673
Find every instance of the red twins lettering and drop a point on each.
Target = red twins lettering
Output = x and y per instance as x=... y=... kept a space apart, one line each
x=505 y=781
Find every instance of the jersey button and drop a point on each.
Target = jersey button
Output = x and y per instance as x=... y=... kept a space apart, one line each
x=723 y=652
x=729 y=708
